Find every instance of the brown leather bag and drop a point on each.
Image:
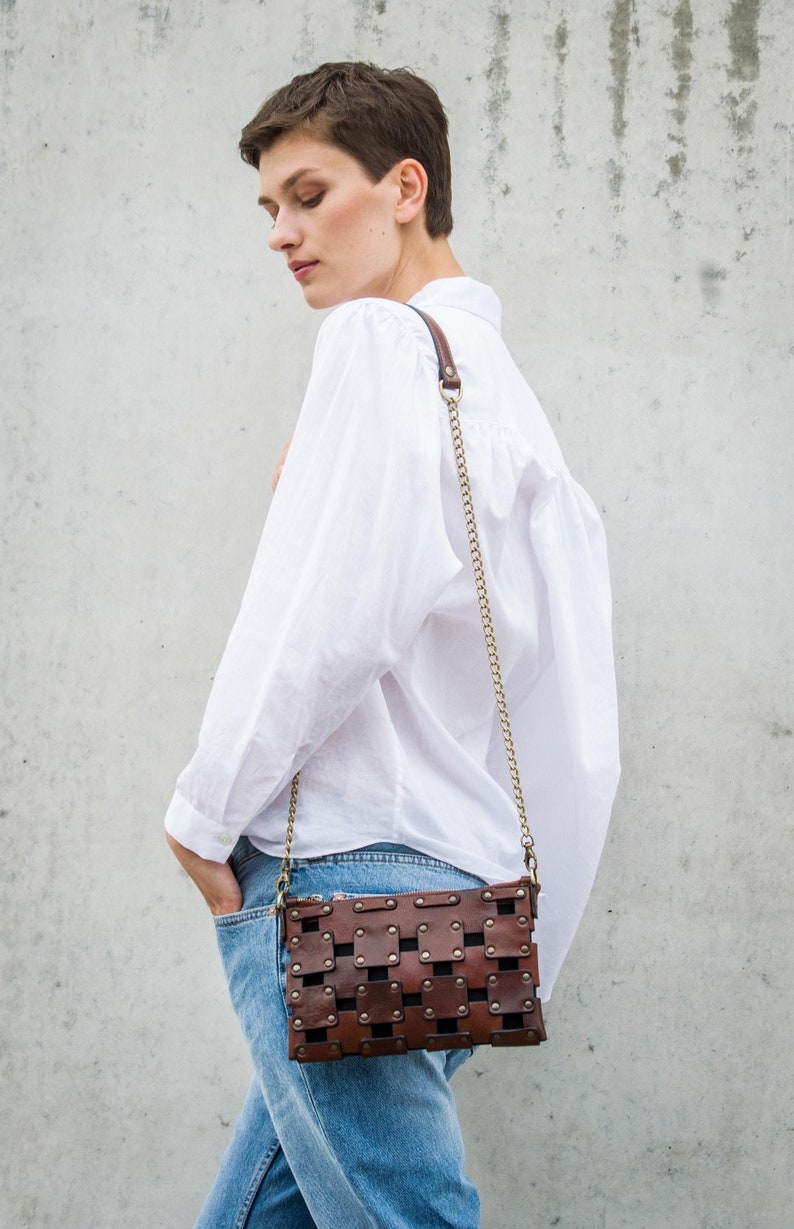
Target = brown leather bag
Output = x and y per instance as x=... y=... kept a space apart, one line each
x=440 y=970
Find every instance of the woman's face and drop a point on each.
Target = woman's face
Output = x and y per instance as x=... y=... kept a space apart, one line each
x=338 y=231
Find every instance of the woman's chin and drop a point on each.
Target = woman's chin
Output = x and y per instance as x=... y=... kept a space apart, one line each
x=318 y=298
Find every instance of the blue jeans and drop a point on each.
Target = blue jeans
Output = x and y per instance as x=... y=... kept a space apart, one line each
x=357 y=1144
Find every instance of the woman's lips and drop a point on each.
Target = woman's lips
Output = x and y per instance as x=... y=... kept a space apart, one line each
x=302 y=269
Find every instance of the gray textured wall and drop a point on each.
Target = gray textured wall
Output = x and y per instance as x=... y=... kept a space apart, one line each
x=623 y=177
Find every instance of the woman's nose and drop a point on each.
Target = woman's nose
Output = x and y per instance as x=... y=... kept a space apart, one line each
x=284 y=233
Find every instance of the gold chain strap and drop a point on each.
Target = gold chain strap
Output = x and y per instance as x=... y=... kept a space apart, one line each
x=451 y=400
x=282 y=883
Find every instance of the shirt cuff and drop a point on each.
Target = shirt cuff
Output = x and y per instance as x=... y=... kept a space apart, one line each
x=197 y=831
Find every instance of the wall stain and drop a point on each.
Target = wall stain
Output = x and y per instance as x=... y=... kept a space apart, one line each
x=367 y=14
x=711 y=279
x=615 y=179
x=558 y=123
x=8 y=32
x=306 y=53
x=681 y=55
x=496 y=75
x=741 y=105
x=155 y=15
x=623 y=30
x=742 y=24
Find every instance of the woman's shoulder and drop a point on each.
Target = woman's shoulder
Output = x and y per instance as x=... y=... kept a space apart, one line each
x=371 y=339
x=380 y=318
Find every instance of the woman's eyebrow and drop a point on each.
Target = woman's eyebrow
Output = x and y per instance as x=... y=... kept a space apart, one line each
x=289 y=182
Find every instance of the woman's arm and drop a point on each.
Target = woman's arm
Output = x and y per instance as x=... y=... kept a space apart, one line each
x=353 y=557
x=215 y=880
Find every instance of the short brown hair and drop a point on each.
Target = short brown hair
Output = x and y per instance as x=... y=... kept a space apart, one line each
x=378 y=115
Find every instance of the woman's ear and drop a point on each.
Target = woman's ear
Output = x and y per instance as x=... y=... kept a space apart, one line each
x=411 y=179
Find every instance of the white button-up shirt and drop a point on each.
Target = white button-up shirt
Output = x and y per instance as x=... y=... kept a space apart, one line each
x=358 y=654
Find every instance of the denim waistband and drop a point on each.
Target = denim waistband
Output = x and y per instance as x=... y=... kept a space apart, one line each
x=372 y=869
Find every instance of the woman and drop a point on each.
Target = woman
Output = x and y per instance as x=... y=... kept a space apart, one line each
x=358 y=656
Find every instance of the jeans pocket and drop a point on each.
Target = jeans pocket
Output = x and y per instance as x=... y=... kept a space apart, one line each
x=256 y=874
x=242 y=853
x=223 y=921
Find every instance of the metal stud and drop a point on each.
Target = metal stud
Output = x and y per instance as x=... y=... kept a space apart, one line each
x=453 y=900
x=429 y=1012
x=295 y=994
x=489 y=921
x=327 y=936
x=425 y=955
x=396 y=1014
x=332 y=1019
x=456 y=925
x=359 y=959
x=296 y=968
x=392 y=930
x=457 y=953
x=460 y=981
x=395 y=985
x=487 y=895
x=358 y=906
x=361 y=989
x=530 y=1006
x=522 y=921
x=327 y=909
x=400 y=1043
x=392 y=957
x=366 y=1047
x=364 y=1016
x=524 y=949
x=297 y=1024
x=495 y=1006
x=423 y=928
x=420 y=900
x=427 y=985
x=294 y=913
x=490 y=950
x=526 y=977
x=520 y=893
x=360 y=931
x=391 y=904
x=450 y=371
x=492 y=979
x=328 y=990
x=328 y=964
x=462 y=1010
x=335 y=1047
x=301 y=1050
x=295 y=940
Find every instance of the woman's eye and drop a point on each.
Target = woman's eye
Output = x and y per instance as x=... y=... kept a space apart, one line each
x=312 y=201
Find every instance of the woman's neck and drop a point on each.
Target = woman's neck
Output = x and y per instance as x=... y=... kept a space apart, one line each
x=424 y=260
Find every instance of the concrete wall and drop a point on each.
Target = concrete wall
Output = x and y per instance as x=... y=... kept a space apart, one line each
x=623 y=176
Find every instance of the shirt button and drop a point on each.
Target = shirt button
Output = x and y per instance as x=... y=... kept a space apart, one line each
x=225 y=839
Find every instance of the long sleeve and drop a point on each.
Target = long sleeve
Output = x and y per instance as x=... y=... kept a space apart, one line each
x=353 y=555
x=569 y=721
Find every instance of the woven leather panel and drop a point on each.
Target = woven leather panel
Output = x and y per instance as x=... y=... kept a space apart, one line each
x=380 y=975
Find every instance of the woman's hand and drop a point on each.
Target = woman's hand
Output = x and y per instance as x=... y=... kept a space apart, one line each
x=215 y=880
x=280 y=464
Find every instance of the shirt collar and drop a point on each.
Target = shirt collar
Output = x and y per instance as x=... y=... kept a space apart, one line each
x=464 y=293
